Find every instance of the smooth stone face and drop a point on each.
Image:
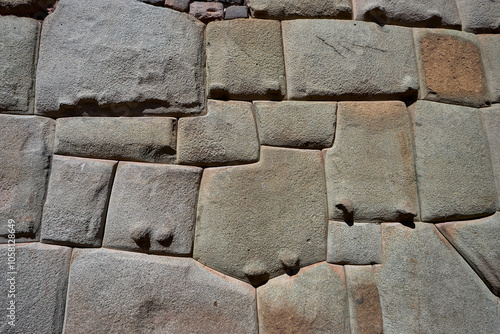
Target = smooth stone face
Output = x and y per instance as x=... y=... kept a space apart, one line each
x=296 y=124
x=370 y=169
x=226 y=136
x=207 y=11
x=153 y=208
x=490 y=49
x=40 y=288
x=121 y=292
x=334 y=59
x=312 y=301
x=258 y=221
x=245 y=60
x=480 y=16
x=139 y=59
x=491 y=122
x=236 y=12
x=24 y=7
x=454 y=172
x=290 y=9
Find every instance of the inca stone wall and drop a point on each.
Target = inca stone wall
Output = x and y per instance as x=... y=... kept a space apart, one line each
x=258 y=166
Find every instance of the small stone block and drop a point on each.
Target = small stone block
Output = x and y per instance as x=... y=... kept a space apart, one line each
x=480 y=16
x=207 y=11
x=293 y=9
x=491 y=122
x=180 y=5
x=490 y=49
x=236 y=12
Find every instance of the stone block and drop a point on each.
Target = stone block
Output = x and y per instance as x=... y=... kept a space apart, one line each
x=207 y=11
x=259 y=221
x=236 y=12
x=245 y=60
x=335 y=59
x=490 y=49
x=370 y=170
x=293 y=9
x=153 y=208
x=148 y=139
x=228 y=2
x=25 y=7
x=296 y=124
x=454 y=172
x=77 y=198
x=180 y=5
x=491 y=122
x=480 y=16
x=227 y=135
x=122 y=292
x=138 y=60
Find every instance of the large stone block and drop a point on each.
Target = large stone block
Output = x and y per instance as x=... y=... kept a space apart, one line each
x=490 y=49
x=491 y=122
x=480 y=16
x=259 y=221
x=121 y=292
x=153 y=208
x=334 y=59
x=454 y=172
x=245 y=60
x=138 y=59
x=226 y=136
x=370 y=170
x=36 y=8
x=292 y=9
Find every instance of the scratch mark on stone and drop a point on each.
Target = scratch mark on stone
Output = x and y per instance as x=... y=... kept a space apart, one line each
x=334 y=48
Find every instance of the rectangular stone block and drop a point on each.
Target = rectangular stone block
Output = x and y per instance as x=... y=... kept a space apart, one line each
x=206 y=11
x=293 y=9
x=490 y=49
x=491 y=122
x=480 y=16
x=236 y=12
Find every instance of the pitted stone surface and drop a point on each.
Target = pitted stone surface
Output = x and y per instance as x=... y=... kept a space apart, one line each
x=207 y=11
x=292 y=9
x=491 y=122
x=313 y=301
x=153 y=208
x=77 y=198
x=245 y=60
x=370 y=171
x=454 y=172
x=480 y=16
x=334 y=59
x=25 y=7
x=138 y=59
x=296 y=124
x=226 y=136
x=258 y=221
x=490 y=49
x=120 y=292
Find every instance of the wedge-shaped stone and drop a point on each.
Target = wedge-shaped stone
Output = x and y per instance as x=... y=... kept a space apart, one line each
x=36 y=8
x=370 y=169
x=490 y=49
x=258 y=221
x=153 y=208
x=480 y=16
x=454 y=172
x=138 y=59
x=121 y=292
x=292 y=9
x=245 y=60
x=296 y=124
x=491 y=122
x=334 y=59
x=313 y=301
x=226 y=136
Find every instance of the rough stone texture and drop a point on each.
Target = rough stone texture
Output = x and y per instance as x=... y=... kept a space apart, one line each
x=334 y=59
x=491 y=122
x=236 y=12
x=296 y=124
x=40 y=285
x=258 y=221
x=25 y=7
x=454 y=173
x=313 y=301
x=139 y=59
x=480 y=16
x=245 y=60
x=153 y=208
x=292 y=9
x=180 y=5
x=490 y=49
x=77 y=198
x=149 y=139
x=451 y=68
x=226 y=136
x=370 y=169
x=24 y=167
x=18 y=47
x=207 y=11
x=119 y=292
x=358 y=243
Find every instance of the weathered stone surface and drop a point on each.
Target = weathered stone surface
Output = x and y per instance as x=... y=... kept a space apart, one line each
x=24 y=167
x=454 y=173
x=451 y=68
x=370 y=169
x=236 y=12
x=491 y=122
x=292 y=9
x=18 y=47
x=258 y=221
x=296 y=124
x=77 y=198
x=358 y=243
x=490 y=49
x=226 y=136
x=139 y=59
x=149 y=139
x=120 y=292
x=40 y=281
x=153 y=208
x=313 y=301
x=245 y=60
x=334 y=59
x=25 y=7
x=207 y=11
x=480 y=16
x=180 y=5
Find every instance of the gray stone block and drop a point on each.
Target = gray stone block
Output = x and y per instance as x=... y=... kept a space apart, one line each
x=206 y=11
x=334 y=59
x=25 y=7
x=139 y=59
x=228 y=2
x=490 y=49
x=296 y=124
x=293 y=9
x=129 y=293
x=491 y=122
x=454 y=172
x=236 y=12
x=180 y=5
x=153 y=208
x=480 y=16
x=227 y=135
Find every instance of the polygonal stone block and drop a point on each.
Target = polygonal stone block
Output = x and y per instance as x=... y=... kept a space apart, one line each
x=206 y=11
x=490 y=49
x=180 y=5
x=491 y=122
x=236 y=12
x=480 y=16
x=292 y=9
